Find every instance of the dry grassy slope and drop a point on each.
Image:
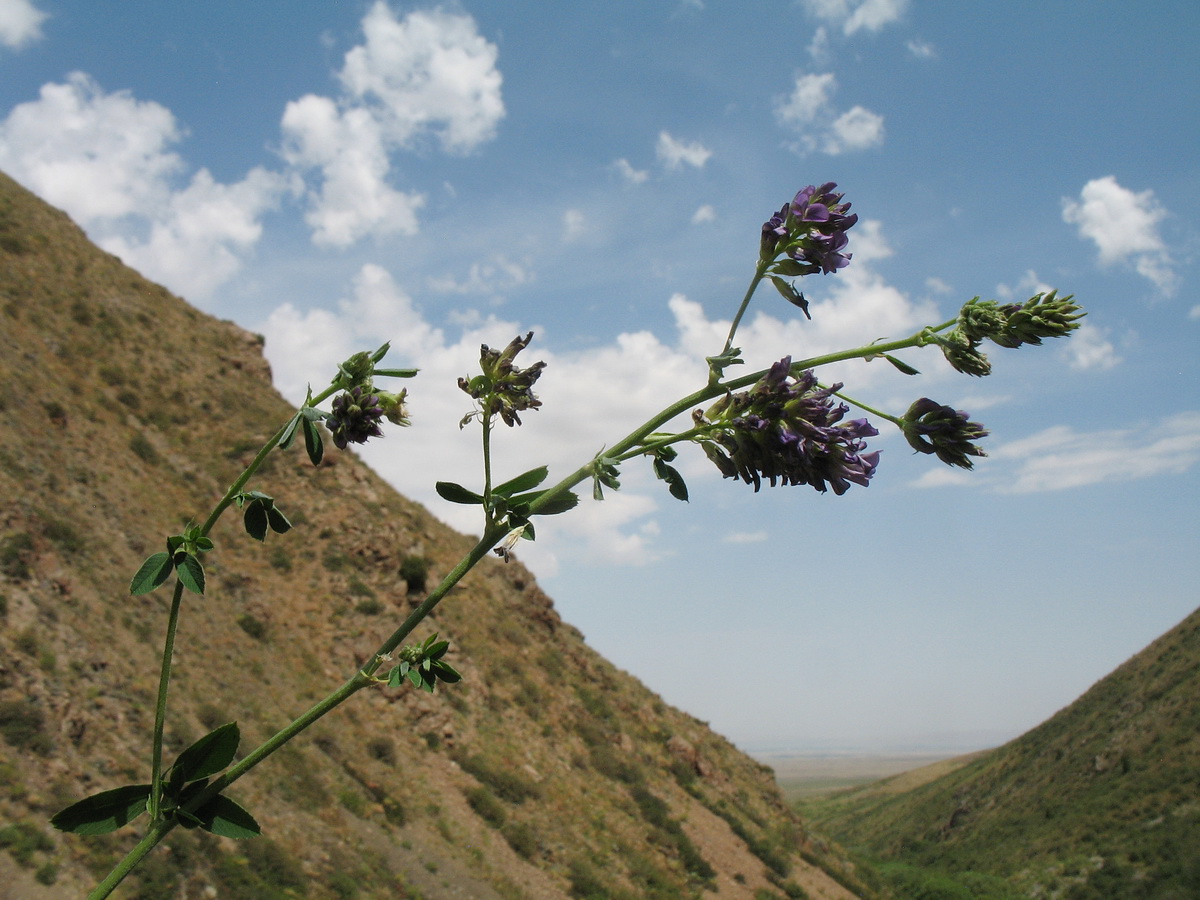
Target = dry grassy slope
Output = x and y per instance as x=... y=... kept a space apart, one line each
x=123 y=413
x=1102 y=799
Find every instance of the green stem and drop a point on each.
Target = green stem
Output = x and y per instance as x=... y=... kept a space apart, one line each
x=487 y=469
x=160 y=706
x=759 y=271
x=164 y=680
x=870 y=409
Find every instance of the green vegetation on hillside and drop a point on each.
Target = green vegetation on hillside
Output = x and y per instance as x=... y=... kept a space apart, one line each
x=1100 y=801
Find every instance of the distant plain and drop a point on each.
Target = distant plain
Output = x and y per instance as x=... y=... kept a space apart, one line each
x=803 y=776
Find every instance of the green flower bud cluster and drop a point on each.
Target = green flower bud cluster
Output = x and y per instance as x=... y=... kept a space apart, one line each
x=1044 y=315
x=504 y=389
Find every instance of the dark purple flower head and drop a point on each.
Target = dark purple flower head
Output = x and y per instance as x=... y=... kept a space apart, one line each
x=504 y=389
x=930 y=427
x=788 y=430
x=355 y=417
x=810 y=232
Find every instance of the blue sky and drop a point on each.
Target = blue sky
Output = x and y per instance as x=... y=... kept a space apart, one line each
x=337 y=175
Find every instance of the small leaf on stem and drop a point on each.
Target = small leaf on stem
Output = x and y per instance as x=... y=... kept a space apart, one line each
x=153 y=572
x=104 y=812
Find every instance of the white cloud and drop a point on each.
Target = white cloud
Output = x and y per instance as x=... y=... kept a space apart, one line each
x=428 y=75
x=354 y=199
x=807 y=110
x=921 y=49
x=105 y=159
x=198 y=243
x=626 y=170
x=809 y=96
x=96 y=155
x=20 y=23
x=491 y=278
x=855 y=129
x=674 y=153
x=1060 y=457
x=625 y=381
x=574 y=224
x=1124 y=227
x=704 y=214
x=1089 y=348
x=856 y=15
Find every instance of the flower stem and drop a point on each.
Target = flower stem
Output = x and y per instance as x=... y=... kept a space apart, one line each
x=759 y=271
x=160 y=706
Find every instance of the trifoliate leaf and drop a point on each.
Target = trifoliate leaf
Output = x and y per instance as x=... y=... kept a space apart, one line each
x=153 y=572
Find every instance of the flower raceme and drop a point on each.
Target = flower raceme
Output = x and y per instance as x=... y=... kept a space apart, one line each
x=355 y=417
x=788 y=430
x=810 y=232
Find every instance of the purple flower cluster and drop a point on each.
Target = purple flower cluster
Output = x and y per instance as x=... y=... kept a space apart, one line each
x=810 y=232
x=788 y=430
x=355 y=417
x=930 y=427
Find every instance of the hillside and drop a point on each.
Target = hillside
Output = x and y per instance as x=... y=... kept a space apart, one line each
x=1100 y=801
x=547 y=773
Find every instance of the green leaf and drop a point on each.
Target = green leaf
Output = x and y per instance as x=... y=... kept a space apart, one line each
x=279 y=522
x=560 y=504
x=790 y=294
x=289 y=431
x=525 y=482
x=397 y=373
x=207 y=756
x=313 y=442
x=456 y=493
x=104 y=812
x=153 y=572
x=191 y=573
x=446 y=672
x=673 y=479
x=225 y=818
x=901 y=365
x=255 y=520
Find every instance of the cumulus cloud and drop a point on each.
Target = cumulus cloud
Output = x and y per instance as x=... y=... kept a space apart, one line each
x=1124 y=227
x=624 y=381
x=105 y=158
x=704 y=214
x=808 y=111
x=675 y=154
x=427 y=77
x=857 y=15
x=1061 y=457
x=20 y=23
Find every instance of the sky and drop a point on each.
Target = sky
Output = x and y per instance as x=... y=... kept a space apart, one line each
x=336 y=175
